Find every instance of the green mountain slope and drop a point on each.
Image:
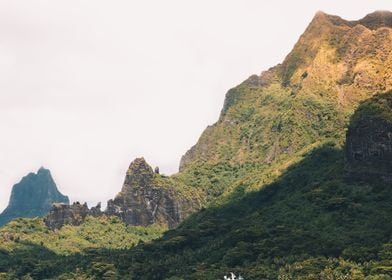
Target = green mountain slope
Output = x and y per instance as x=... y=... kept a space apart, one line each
x=311 y=222
x=307 y=99
x=29 y=249
x=285 y=195
x=95 y=232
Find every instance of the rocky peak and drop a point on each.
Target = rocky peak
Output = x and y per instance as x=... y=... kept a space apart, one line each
x=322 y=18
x=330 y=39
x=307 y=47
x=33 y=196
x=43 y=171
x=138 y=174
x=147 y=198
x=377 y=20
x=62 y=214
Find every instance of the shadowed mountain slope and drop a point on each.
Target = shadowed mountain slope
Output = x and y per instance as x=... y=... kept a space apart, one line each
x=32 y=196
x=285 y=195
x=311 y=222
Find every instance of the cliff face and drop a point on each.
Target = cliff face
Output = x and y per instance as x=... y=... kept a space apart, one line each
x=147 y=198
x=369 y=141
x=33 y=196
x=75 y=214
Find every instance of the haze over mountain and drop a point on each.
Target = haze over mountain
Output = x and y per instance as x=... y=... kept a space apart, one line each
x=127 y=80
x=33 y=196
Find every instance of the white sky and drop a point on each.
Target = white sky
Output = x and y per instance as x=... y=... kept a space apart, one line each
x=87 y=86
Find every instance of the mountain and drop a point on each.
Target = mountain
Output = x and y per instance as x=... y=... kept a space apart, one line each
x=146 y=198
x=312 y=222
x=149 y=198
x=33 y=196
x=292 y=182
x=325 y=217
x=308 y=99
x=270 y=119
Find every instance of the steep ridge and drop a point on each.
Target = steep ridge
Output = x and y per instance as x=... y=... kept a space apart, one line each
x=270 y=119
x=311 y=222
x=284 y=192
x=32 y=196
x=309 y=98
x=377 y=19
x=146 y=198
x=325 y=217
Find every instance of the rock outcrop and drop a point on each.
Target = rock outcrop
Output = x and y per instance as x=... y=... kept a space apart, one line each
x=147 y=198
x=33 y=196
x=369 y=141
x=75 y=214
x=377 y=19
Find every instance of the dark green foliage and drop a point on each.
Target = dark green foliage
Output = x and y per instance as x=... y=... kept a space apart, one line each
x=101 y=232
x=378 y=107
x=298 y=226
x=272 y=178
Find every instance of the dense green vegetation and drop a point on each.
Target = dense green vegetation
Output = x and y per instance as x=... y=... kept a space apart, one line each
x=270 y=175
x=29 y=249
x=307 y=224
x=378 y=107
x=297 y=218
x=103 y=232
x=260 y=129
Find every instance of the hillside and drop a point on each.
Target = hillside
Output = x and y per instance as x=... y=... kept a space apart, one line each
x=294 y=179
x=96 y=232
x=306 y=100
x=33 y=196
x=311 y=222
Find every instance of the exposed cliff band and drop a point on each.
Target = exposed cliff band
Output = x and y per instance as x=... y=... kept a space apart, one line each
x=145 y=198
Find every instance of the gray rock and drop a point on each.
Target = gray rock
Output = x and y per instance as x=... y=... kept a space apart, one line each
x=75 y=214
x=143 y=202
